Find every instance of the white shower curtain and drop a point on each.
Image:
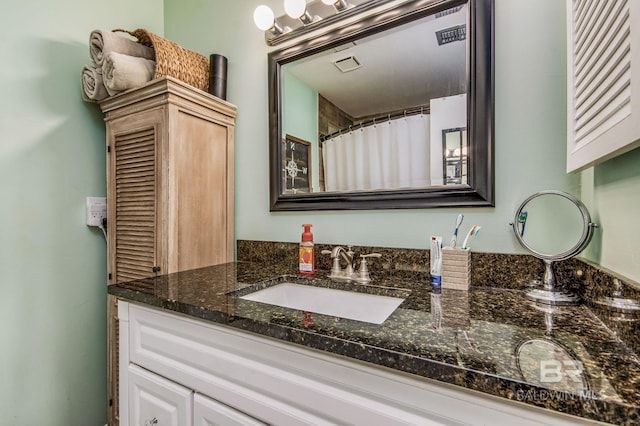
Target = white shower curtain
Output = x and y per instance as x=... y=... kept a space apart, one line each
x=389 y=155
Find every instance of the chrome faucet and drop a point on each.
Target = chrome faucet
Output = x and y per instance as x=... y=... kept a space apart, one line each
x=349 y=272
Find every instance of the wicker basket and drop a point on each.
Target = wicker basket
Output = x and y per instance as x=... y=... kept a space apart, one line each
x=174 y=60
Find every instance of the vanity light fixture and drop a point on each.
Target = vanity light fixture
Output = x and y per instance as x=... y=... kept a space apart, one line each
x=339 y=5
x=303 y=18
x=264 y=19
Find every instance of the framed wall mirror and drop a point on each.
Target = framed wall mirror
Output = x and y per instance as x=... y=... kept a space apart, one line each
x=374 y=97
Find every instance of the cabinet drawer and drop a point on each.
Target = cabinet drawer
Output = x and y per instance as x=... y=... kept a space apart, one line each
x=208 y=412
x=155 y=401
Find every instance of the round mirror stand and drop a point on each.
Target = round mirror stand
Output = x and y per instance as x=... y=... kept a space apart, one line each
x=549 y=294
x=548 y=201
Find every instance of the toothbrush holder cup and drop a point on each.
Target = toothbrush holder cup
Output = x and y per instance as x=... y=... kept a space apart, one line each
x=456 y=268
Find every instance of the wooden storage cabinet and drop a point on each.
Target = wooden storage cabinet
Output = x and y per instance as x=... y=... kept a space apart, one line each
x=169 y=180
x=170 y=201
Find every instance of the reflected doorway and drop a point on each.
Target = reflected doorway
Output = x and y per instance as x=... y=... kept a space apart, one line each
x=454 y=148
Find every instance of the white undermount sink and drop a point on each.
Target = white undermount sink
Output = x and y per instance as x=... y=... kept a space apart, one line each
x=365 y=307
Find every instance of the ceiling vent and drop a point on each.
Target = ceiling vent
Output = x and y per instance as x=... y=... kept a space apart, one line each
x=449 y=35
x=347 y=64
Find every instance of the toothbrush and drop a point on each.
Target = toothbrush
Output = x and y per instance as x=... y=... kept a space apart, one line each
x=522 y=220
x=473 y=231
x=454 y=239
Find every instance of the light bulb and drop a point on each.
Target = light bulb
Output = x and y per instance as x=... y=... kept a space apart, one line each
x=295 y=8
x=328 y=2
x=263 y=17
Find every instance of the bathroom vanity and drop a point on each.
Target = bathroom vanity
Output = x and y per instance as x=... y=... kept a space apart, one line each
x=192 y=347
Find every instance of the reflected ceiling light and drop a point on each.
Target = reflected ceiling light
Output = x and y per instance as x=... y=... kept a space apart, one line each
x=297 y=9
x=265 y=20
x=340 y=5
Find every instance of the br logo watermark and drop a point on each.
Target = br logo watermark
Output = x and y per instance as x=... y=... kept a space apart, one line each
x=564 y=380
x=554 y=371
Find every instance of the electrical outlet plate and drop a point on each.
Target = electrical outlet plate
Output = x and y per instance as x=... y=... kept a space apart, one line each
x=96 y=210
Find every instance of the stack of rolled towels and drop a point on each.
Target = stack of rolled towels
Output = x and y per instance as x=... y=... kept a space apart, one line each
x=117 y=64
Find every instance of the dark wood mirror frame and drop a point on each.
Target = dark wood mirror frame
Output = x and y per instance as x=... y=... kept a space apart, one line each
x=480 y=116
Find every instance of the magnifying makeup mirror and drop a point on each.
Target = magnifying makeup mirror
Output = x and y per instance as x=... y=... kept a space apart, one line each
x=552 y=225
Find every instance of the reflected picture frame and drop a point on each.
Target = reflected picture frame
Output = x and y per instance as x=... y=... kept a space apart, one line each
x=296 y=165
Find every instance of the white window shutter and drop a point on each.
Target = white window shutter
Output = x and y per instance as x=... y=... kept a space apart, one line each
x=603 y=80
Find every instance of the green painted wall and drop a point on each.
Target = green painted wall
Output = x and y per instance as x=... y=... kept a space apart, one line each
x=52 y=266
x=300 y=118
x=611 y=191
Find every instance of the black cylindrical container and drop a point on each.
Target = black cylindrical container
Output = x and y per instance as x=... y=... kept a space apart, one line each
x=218 y=76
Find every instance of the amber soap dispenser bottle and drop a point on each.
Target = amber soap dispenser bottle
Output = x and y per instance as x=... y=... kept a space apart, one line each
x=307 y=258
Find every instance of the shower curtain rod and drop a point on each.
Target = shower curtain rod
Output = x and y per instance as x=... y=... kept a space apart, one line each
x=379 y=119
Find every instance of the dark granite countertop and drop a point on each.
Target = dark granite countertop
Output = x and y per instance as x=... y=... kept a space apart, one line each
x=486 y=339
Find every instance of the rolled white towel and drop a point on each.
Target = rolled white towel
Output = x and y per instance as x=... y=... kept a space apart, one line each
x=121 y=72
x=93 y=89
x=102 y=42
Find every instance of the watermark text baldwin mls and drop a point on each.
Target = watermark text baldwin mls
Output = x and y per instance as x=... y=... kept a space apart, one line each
x=553 y=395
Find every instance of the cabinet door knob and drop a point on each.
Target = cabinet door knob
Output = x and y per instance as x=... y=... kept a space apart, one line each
x=153 y=421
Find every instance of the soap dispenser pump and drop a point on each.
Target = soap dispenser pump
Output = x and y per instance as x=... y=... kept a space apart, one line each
x=306 y=253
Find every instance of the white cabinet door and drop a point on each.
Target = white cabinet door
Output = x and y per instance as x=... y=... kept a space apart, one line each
x=208 y=412
x=603 y=80
x=155 y=401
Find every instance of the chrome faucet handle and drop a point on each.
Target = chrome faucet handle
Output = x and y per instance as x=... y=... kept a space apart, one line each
x=363 y=273
x=371 y=255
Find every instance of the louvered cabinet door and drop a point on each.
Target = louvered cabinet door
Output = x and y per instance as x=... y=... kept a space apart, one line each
x=133 y=194
x=603 y=80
